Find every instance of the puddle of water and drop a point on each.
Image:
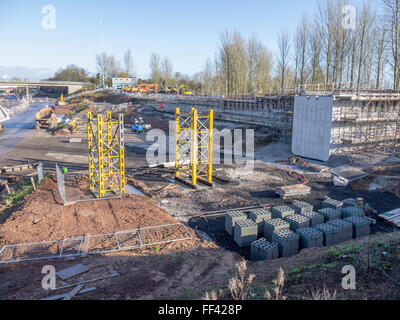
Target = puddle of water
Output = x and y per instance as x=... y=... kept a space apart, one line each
x=132 y=190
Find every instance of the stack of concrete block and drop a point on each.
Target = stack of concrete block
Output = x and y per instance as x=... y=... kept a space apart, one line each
x=259 y=216
x=288 y=242
x=329 y=214
x=270 y=226
x=282 y=212
x=245 y=232
x=346 y=229
x=352 y=211
x=330 y=232
x=297 y=221
x=332 y=203
x=350 y=202
x=263 y=250
x=231 y=218
x=301 y=207
x=315 y=218
x=361 y=226
x=310 y=237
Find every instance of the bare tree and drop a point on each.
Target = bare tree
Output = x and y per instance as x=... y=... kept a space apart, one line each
x=301 y=46
x=167 y=69
x=315 y=52
x=155 y=67
x=392 y=16
x=283 y=58
x=129 y=63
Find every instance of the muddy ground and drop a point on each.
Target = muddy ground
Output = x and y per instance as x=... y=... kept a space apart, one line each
x=185 y=270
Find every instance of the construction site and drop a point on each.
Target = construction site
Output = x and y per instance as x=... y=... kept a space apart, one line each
x=322 y=191
x=200 y=151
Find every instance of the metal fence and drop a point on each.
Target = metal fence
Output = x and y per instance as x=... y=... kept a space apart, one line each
x=95 y=244
x=61 y=184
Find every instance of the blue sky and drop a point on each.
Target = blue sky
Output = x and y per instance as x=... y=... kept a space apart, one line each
x=185 y=31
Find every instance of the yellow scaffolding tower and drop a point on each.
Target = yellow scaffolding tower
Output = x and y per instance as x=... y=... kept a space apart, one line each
x=106 y=155
x=194 y=139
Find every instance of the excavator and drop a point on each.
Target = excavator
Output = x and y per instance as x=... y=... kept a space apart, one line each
x=152 y=88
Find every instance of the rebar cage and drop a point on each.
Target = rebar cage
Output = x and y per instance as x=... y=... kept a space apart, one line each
x=106 y=155
x=194 y=139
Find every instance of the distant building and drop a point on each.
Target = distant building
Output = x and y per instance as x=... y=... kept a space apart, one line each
x=122 y=82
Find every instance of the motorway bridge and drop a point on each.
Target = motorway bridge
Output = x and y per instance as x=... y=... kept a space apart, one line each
x=70 y=85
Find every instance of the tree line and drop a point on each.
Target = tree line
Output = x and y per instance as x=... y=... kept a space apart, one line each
x=321 y=50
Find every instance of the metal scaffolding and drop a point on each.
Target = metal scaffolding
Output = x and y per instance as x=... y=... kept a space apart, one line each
x=194 y=139
x=106 y=155
x=367 y=123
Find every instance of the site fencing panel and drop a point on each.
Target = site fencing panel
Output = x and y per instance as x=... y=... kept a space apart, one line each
x=95 y=244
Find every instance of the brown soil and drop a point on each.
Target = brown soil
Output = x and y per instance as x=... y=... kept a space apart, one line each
x=44 y=218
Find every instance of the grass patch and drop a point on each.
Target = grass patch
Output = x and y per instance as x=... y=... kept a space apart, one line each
x=18 y=193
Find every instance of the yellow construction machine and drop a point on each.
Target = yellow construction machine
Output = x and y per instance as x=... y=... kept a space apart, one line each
x=46 y=119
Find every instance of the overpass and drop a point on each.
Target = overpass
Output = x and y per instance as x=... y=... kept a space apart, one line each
x=71 y=86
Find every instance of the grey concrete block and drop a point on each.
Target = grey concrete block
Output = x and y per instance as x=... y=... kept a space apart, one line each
x=315 y=218
x=282 y=212
x=332 y=203
x=352 y=211
x=297 y=221
x=301 y=207
x=273 y=225
x=346 y=228
x=259 y=216
x=245 y=232
x=330 y=232
x=288 y=242
x=230 y=219
x=361 y=226
x=329 y=213
x=310 y=237
x=261 y=249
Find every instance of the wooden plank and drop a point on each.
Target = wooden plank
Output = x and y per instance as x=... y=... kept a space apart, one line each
x=83 y=282
x=61 y=296
x=74 y=291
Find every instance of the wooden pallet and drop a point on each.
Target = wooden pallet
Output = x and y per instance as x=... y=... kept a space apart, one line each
x=7 y=170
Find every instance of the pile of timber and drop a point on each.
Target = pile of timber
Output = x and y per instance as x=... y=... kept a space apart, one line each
x=391 y=217
x=293 y=191
x=22 y=167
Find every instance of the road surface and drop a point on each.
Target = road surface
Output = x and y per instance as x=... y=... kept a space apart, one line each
x=18 y=127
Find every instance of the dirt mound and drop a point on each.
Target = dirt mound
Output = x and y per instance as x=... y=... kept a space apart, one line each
x=43 y=218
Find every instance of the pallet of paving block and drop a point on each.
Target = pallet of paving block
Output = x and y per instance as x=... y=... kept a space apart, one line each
x=22 y=167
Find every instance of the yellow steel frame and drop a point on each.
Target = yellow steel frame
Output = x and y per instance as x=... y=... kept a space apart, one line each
x=106 y=155
x=194 y=139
